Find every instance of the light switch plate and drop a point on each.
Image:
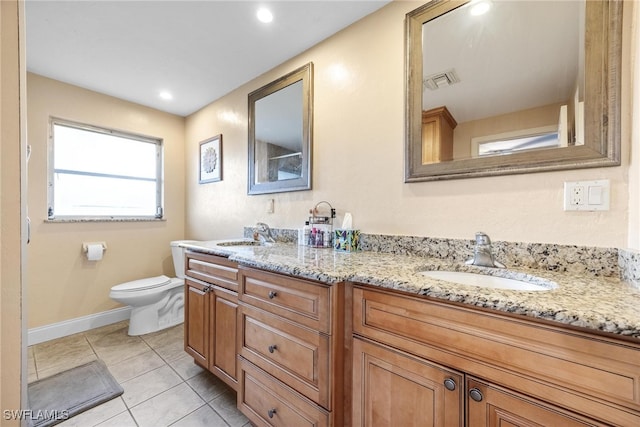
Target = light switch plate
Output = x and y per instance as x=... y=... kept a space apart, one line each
x=587 y=195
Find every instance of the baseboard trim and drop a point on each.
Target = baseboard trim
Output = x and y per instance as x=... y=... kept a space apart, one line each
x=79 y=324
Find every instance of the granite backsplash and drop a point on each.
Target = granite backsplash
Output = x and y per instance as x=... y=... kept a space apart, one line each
x=605 y=262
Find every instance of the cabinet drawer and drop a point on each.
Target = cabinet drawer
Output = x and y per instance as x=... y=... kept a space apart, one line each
x=267 y=402
x=299 y=300
x=297 y=356
x=588 y=373
x=212 y=269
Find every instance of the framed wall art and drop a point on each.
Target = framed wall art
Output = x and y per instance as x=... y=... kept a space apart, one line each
x=211 y=160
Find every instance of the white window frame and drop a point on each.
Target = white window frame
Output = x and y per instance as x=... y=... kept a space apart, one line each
x=159 y=179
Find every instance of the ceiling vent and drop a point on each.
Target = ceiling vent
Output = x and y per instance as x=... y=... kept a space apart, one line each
x=439 y=80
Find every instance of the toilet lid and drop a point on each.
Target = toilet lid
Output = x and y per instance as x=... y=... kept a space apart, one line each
x=141 y=284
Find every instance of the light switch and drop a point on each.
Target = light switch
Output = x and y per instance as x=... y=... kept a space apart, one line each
x=595 y=195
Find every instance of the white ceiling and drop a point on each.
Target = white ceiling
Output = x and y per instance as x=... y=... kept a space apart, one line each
x=519 y=55
x=197 y=50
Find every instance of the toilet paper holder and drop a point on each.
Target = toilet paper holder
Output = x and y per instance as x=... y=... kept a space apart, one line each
x=85 y=246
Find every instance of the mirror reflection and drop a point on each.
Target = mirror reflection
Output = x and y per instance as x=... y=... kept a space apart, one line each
x=278 y=135
x=280 y=120
x=511 y=88
x=509 y=76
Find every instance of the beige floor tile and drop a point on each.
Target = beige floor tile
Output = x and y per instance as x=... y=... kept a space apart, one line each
x=61 y=365
x=63 y=353
x=116 y=347
x=162 y=383
x=202 y=417
x=165 y=337
x=124 y=419
x=97 y=414
x=225 y=406
x=122 y=326
x=135 y=366
x=148 y=385
x=168 y=407
x=171 y=351
x=207 y=385
x=186 y=367
x=32 y=373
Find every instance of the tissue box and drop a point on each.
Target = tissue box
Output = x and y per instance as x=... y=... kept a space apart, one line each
x=346 y=240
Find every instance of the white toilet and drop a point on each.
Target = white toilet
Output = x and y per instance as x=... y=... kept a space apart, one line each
x=156 y=302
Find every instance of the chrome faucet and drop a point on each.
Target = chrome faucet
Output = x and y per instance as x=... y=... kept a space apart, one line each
x=482 y=254
x=263 y=233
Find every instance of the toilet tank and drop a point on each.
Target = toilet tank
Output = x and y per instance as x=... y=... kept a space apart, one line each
x=178 y=258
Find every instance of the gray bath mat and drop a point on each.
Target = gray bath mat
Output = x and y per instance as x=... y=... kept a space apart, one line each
x=59 y=397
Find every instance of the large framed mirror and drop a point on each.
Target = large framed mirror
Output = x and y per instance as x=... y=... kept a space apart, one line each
x=281 y=134
x=526 y=86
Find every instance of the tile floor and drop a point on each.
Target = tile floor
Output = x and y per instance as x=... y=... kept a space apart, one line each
x=162 y=385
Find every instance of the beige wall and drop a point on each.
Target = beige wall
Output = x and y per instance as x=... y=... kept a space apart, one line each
x=62 y=284
x=11 y=208
x=358 y=159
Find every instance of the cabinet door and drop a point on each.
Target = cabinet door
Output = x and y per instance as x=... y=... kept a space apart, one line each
x=223 y=314
x=489 y=405
x=196 y=324
x=395 y=389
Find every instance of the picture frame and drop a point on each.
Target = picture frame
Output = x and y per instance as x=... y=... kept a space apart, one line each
x=211 y=160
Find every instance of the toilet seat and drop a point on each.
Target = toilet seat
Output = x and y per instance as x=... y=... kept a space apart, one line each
x=157 y=282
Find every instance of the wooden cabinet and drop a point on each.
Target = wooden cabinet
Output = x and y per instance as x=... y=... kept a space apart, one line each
x=437 y=135
x=537 y=372
x=211 y=314
x=490 y=405
x=289 y=343
x=196 y=321
x=393 y=388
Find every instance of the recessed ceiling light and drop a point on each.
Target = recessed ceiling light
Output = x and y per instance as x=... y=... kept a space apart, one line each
x=265 y=15
x=166 y=95
x=480 y=7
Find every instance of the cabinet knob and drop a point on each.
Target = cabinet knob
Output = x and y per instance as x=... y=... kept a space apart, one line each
x=272 y=294
x=271 y=412
x=450 y=384
x=272 y=348
x=476 y=394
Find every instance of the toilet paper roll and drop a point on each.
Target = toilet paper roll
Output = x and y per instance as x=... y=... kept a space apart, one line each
x=94 y=252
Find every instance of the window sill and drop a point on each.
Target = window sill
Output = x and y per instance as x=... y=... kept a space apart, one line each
x=106 y=219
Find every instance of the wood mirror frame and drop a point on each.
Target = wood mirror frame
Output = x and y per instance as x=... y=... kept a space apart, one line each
x=256 y=185
x=602 y=103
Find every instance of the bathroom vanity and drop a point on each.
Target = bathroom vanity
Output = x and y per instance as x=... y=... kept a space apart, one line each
x=336 y=339
x=210 y=313
x=497 y=369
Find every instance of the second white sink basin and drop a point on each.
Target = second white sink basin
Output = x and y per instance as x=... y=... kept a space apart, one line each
x=486 y=281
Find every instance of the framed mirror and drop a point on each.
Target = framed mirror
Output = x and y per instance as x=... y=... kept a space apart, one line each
x=281 y=134
x=526 y=86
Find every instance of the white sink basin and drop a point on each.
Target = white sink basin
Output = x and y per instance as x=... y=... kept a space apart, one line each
x=486 y=281
x=229 y=244
x=232 y=243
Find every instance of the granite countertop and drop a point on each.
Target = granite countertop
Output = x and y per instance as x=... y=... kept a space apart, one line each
x=605 y=304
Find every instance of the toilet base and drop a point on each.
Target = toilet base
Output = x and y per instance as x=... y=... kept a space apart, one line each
x=164 y=314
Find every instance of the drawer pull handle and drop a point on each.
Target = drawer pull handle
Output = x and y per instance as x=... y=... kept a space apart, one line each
x=450 y=384
x=476 y=394
x=272 y=348
x=272 y=294
x=271 y=412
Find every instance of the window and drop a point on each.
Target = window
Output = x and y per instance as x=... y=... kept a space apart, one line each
x=97 y=173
